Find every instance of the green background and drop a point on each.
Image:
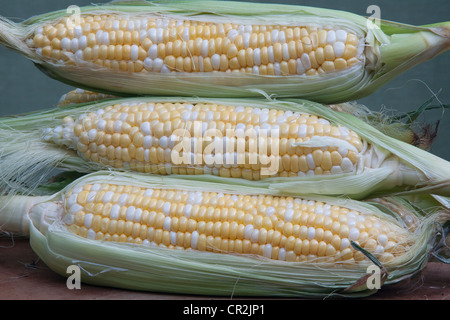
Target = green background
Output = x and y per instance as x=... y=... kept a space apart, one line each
x=24 y=88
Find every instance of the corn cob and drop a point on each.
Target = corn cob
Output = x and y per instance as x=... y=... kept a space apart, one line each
x=413 y=132
x=288 y=145
x=224 y=49
x=203 y=236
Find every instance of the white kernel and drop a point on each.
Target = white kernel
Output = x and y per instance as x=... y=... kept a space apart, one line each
x=114 y=214
x=147 y=144
x=311 y=233
x=275 y=33
x=164 y=142
x=142 y=35
x=345 y=243
x=91 y=197
x=246 y=38
x=310 y=161
x=91 y=234
x=288 y=215
x=95 y=187
x=75 y=208
x=379 y=250
x=257 y=57
x=200 y=64
x=319 y=209
x=281 y=37
x=157 y=64
x=130 y=25
x=351 y=222
x=148 y=193
x=276 y=67
x=347 y=165
x=166 y=225
x=270 y=211
x=137 y=215
x=344 y=131
x=336 y=170
x=232 y=34
x=300 y=67
x=82 y=42
x=248 y=230
x=382 y=239
x=186 y=34
x=108 y=196
x=353 y=234
x=194 y=239
x=339 y=48
x=282 y=254
x=74 y=45
x=285 y=51
x=130 y=213
x=117 y=126
x=123 y=199
x=343 y=151
x=187 y=210
x=205 y=46
x=72 y=200
x=271 y=54
x=166 y=208
x=65 y=44
x=341 y=36
x=134 y=52
x=331 y=37
x=148 y=64
x=78 y=32
x=173 y=237
x=302 y=130
x=101 y=124
x=88 y=220
x=92 y=134
x=165 y=69
x=215 y=61
x=255 y=235
x=152 y=34
x=116 y=25
x=159 y=35
x=323 y=121
x=306 y=61
x=79 y=55
x=268 y=251
x=153 y=51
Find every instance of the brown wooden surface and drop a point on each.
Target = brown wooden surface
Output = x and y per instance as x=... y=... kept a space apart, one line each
x=24 y=277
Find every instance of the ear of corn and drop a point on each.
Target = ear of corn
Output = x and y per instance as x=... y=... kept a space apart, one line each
x=286 y=145
x=200 y=47
x=125 y=230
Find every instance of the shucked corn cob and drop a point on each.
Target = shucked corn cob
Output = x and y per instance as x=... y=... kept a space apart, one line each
x=414 y=133
x=286 y=145
x=222 y=49
x=141 y=226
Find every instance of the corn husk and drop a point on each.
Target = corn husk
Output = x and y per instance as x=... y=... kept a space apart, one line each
x=390 y=49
